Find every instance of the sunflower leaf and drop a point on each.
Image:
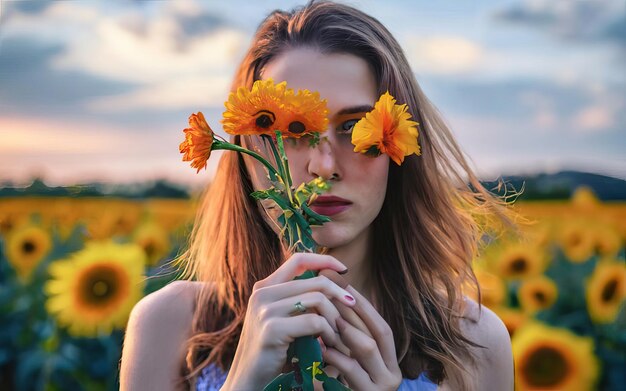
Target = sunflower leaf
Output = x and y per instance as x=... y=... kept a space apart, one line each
x=280 y=382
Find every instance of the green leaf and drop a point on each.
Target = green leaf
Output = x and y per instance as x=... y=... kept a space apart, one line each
x=308 y=350
x=314 y=216
x=332 y=384
x=315 y=139
x=281 y=382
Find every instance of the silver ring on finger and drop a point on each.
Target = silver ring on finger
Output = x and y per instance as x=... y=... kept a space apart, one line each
x=299 y=308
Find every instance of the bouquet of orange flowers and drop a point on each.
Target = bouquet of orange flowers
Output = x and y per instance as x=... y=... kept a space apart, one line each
x=272 y=111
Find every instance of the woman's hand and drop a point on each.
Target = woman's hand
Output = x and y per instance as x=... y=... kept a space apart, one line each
x=271 y=325
x=372 y=363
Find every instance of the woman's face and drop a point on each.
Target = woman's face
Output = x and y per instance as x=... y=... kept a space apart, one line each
x=348 y=85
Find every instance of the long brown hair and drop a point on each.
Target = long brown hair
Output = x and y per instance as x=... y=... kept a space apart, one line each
x=427 y=231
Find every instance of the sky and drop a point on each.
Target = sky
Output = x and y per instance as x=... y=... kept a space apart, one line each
x=101 y=90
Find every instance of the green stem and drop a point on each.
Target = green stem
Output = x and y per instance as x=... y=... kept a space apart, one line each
x=232 y=147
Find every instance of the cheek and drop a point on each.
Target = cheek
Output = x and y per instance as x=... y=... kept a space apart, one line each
x=371 y=179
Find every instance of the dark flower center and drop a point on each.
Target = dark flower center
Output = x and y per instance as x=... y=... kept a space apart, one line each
x=28 y=247
x=100 y=285
x=519 y=265
x=546 y=367
x=265 y=119
x=149 y=248
x=575 y=240
x=540 y=297
x=296 y=127
x=609 y=290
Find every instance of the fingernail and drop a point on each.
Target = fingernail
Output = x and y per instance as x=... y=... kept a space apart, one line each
x=343 y=272
x=349 y=298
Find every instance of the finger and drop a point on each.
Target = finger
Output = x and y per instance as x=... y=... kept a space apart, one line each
x=284 y=331
x=356 y=377
x=312 y=301
x=365 y=350
x=298 y=264
x=379 y=328
x=351 y=316
x=290 y=288
x=346 y=311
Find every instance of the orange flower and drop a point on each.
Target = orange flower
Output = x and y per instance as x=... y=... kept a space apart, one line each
x=387 y=129
x=198 y=142
x=269 y=107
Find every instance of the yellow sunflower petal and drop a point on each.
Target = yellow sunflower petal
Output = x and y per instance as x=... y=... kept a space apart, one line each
x=537 y=293
x=606 y=291
x=154 y=240
x=198 y=142
x=268 y=107
x=387 y=129
x=26 y=248
x=551 y=358
x=94 y=290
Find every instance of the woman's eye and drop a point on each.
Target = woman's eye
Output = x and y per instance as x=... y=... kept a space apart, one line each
x=348 y=125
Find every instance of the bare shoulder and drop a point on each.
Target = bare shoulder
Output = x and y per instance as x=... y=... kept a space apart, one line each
x=493 y=365
x=494 y=361
x=175 y=299
x=484 y=327
x=158 y=326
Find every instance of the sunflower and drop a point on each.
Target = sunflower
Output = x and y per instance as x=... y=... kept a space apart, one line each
x=606 y=290
x=94 y=290
x=10 y=220
x=492 y=289
x=513 y=319
x=198 y=142
x=537 y=293
x=607 y=241
x=584 y=198
x=268 y=107
x=519 y=260
x=154 y=241
x=577 y=241
x=387 y=129
x=26 y=247
x=550 y=358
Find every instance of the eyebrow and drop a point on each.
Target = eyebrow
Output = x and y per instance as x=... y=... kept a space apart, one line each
x=356 y=109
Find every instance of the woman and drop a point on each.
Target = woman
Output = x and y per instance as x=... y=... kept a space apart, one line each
x=407 y=239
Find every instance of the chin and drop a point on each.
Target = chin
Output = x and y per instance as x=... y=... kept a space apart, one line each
x=331 y=238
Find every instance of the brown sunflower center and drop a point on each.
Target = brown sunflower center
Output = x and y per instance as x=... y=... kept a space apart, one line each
x=265 y=119
x=100 y=285
x=296 y=127
x=540 y=297
x=609 y=290
x=28 y=247
x=574 y=240
x=546 y=367
x=149 y=248
x=519 y=265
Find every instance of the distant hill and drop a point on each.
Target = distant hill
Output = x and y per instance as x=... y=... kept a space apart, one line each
x=562 y=184
x=155 y=189
x=536 y=187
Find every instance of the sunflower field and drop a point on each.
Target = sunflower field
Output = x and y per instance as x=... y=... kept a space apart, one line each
x=71 y=269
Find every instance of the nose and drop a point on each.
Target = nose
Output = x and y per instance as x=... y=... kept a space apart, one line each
x=323 y=160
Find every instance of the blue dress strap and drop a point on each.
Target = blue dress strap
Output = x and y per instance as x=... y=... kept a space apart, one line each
x=212 y=378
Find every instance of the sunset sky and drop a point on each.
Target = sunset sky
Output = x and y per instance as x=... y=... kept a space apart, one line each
x=101 y=90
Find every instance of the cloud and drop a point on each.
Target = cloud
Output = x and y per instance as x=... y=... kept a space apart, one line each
x=179 y=43
x=444 y=54
x=190 y=92
x=571 y=20
x=29 y=85
x=76 y=151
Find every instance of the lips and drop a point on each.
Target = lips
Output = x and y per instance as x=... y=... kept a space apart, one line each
x=330 y=205
x=330 y=201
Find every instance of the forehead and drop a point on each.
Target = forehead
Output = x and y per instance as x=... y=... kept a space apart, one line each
x=344 y=80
